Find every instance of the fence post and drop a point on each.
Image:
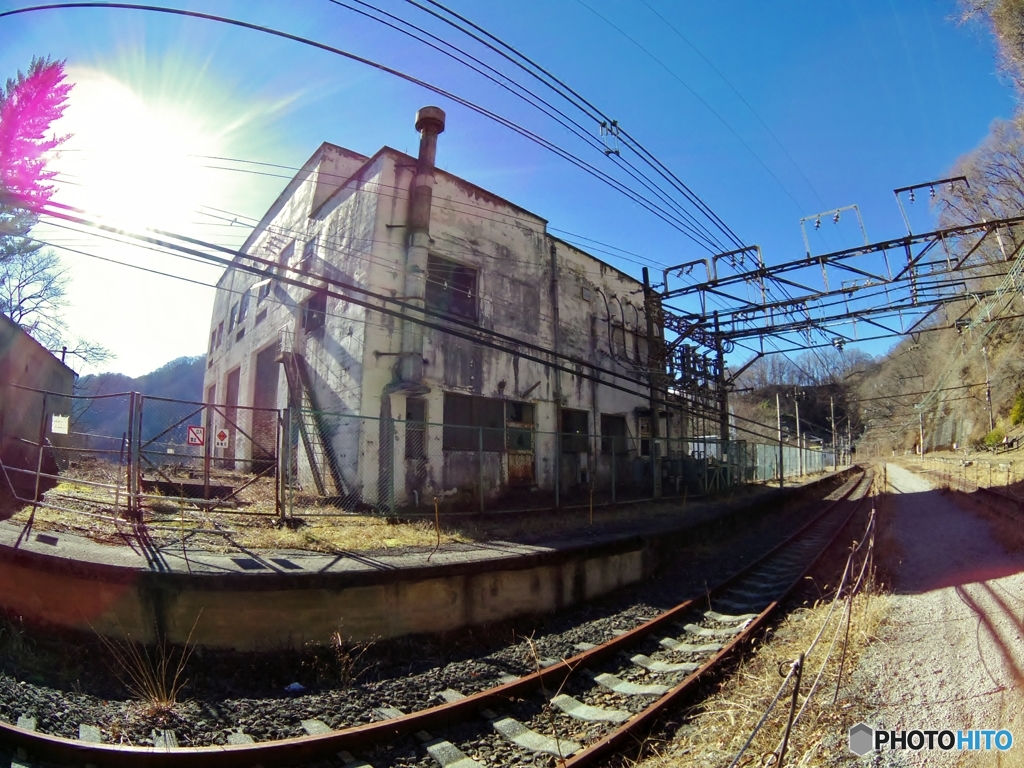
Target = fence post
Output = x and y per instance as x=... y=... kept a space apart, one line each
x=134 y=457
x=480 y=464
x=39 y=455
x=130 y=449
x=392 y=436
x=557 y=464
x=615 y=456
x=208 y=426
x=278 y=474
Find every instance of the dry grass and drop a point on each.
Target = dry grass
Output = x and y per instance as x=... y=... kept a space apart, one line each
x=250 y=520
x=719 y=726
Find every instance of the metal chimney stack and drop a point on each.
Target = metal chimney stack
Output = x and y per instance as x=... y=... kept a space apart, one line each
x=430 y=123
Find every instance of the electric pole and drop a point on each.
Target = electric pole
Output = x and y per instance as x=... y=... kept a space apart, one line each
x=653 y=361
x=835 y=448
x=778 y=416
x=799 y=446
x=988 y=391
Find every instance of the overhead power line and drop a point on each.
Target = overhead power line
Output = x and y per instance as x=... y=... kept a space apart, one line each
x=657 y=209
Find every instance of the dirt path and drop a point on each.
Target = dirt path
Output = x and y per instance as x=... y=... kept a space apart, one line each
x=951 y=655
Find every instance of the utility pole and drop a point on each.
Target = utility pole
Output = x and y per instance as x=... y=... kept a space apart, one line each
x=835 y=448
x=778 y=417
x=920 y=423
x=799 y=447
x=653 y=360
x=720 y=386
x=988 y=391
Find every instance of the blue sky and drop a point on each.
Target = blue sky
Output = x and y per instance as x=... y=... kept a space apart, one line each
x=768 y=111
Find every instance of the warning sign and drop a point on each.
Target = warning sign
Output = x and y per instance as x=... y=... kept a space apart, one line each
x=221 y=440
x=196 y=435
x=59 y=424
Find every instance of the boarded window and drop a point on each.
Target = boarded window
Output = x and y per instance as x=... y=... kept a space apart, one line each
x=451 y=288
x=575 y=432
x=613 y=434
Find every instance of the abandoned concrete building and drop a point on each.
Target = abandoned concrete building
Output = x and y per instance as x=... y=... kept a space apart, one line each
x=392 y=412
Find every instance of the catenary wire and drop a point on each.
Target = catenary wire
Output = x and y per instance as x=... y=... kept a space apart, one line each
x=583 y=165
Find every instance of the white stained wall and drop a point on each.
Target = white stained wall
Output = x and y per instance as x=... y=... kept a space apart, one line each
x=353 y=210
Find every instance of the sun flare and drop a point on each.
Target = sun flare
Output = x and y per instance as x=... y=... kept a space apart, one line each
x=132 y=162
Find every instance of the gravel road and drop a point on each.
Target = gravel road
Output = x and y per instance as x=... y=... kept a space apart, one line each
x=951 y=655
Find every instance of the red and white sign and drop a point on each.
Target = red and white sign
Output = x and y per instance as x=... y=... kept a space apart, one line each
x=196 y=435
x=221 y=440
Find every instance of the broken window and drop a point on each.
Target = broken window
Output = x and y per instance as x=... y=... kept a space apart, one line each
x=314 y=312
x=263 y=290
x=243 y=307
x=575 y=431
x=500 y=424
x=308 y=256
x=220 y=333
x=284 y=257
x=415 y=428
x=234 y=317
x=519 y=420
x=613 y=434
x=451 y=288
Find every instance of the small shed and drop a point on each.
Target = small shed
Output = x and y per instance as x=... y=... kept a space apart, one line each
x=34 y=387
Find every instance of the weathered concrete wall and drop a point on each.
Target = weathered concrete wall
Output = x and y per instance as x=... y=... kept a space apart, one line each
x=26 y=363
x=261 y=612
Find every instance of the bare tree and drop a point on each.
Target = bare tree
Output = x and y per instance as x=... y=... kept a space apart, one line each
x=33 y=284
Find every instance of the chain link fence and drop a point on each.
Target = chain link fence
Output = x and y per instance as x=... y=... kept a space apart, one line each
x=144 y=458
x=365 y=463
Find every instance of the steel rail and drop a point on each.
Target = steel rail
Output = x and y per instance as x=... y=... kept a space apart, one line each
x=644 y=721
x=312 y=748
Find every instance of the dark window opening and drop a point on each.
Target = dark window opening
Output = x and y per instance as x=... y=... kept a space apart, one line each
x=260 y=317
x=314 y=312
x=501 y=425
x=451 y=288
x=220 y=333
x=415 y=428
x=264 y=291
x=240 y=334
x=519 y=419
x=645 y=436
x=213 y=342
x=613 y=434
x=234 y=318
x=575 y=431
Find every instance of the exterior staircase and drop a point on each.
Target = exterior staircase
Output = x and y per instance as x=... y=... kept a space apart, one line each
x=313 y=431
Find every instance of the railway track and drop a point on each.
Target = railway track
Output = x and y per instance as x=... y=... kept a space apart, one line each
x=570 y=712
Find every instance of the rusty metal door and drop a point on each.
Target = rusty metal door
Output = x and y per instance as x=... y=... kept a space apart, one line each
x=519 y=443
